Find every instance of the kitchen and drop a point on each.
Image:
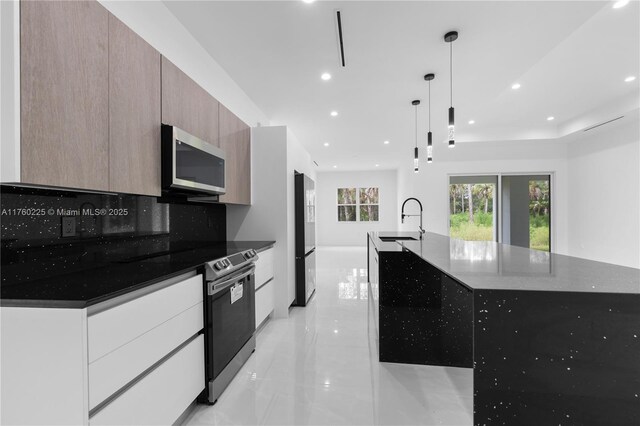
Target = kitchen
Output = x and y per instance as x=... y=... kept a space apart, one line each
x=325 y=89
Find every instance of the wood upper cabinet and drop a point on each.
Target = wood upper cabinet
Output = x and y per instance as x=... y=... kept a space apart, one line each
x=187 y=105
x=134 y=112
x=235 y=141
x=64 y=94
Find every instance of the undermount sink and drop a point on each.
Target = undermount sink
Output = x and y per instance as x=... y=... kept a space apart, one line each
x=397 y=238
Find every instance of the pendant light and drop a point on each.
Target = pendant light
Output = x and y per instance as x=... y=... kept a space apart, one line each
x=450 y=37
x=428 y=78
x=415 y=150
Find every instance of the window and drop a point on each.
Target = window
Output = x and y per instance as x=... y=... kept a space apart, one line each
x=358 y=204
x=369 y=208
x=524 y=215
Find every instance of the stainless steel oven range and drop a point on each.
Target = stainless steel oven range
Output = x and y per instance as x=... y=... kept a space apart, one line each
x=229 y=318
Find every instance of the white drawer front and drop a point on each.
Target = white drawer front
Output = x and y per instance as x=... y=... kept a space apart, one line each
x=110 y=329
x=162 y=396
x=264 y=267
x=264 y=302
x=116 y=369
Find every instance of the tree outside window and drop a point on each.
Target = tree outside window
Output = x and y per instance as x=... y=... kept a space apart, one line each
x=369 y=204
x=358 y=205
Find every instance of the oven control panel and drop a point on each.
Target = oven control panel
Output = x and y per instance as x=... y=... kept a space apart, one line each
x=220 y=267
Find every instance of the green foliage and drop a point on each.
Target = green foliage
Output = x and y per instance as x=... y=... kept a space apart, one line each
x=472 y=232
x=369 y=196
x=480 y=230
x=346 y=196
x=480 y=196
x=346 y=213
x=539 y=238
x=538 y=221
x=480 y=219
x=368 y=213
x=458 y=219
x=483 y=219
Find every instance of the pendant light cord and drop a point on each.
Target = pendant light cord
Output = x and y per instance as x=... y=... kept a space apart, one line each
x=416 y=126
x=451 y=70
x=429 y=105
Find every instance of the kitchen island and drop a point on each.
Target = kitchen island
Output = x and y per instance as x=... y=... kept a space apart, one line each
x=552 y=339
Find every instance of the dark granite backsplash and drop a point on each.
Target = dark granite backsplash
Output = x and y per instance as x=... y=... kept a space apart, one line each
x=108 y=228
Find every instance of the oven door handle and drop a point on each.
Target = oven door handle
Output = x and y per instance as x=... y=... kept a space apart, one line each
x=215 y=288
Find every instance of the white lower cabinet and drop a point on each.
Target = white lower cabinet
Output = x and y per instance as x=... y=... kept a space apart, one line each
x=264 y=285
x=116 y=326
x=114 y=370
x=161 y=396
x=136 y=359
x=264 y=302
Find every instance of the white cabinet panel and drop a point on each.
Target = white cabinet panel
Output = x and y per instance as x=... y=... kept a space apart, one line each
x=163 y=395
x=116 y=369
x=264 y=267
x=110 y=329
x=264 y=302
x=44 y=366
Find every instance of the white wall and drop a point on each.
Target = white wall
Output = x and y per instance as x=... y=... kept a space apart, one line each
x=275 y=154
x=334 y=233
x=153 y=21
x=604 y=195
x=431 y=184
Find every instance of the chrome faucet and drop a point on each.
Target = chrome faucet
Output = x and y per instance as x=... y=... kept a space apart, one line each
x=422 y=231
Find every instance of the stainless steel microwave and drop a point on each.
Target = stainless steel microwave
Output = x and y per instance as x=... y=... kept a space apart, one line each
x=191 y=164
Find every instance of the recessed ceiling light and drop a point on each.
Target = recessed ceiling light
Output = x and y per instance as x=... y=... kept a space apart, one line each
x=472 y=121
x=630 y=79
x=620 y=3
x=386 y=142
x=515 y=86
x=326 y=144
x=377 y=165
x=550 y=118
x=326 y=76
x=308 y=1
x=335 y=167
x=334 y=113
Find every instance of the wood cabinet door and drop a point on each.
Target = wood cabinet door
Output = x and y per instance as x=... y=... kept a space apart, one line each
x=235 y=141
x=64 y=94
x=187 y=105
x=134 y=112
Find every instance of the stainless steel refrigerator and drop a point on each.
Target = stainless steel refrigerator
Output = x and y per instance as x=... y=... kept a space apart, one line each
x=305 y=217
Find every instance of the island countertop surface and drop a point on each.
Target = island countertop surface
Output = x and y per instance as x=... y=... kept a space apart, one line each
x=487 y=265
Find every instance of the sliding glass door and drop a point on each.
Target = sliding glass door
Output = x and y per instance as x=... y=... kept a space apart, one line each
x=472 y=204
x=526 y=211
x=517 y=205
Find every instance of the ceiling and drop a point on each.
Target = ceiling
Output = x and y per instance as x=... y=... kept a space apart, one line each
x=570 y=58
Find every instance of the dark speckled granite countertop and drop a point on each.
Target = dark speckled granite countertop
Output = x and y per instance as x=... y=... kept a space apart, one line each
x=88 y=287
x=486 y=265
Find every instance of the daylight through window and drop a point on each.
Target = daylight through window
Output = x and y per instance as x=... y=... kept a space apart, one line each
x=358 y=204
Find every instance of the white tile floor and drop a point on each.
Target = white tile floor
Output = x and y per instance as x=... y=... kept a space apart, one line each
x=319 y=367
